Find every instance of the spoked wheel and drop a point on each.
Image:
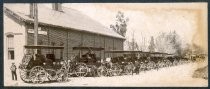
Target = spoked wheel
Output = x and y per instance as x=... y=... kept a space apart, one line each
x=38 y=74
x=51 y=74
x=128 y=69
x=102 y=71
x=81 y=70
x=24 y=75
x=62 y=75
x=70 y=71
x=142 y=67
x=116 y=70
x=92 y=70
x=150 y=65
x=69 y=74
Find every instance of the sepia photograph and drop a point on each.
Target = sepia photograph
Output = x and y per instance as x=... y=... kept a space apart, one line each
x=105 y=44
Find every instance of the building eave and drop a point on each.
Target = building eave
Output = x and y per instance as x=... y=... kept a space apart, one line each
x=30 y=21
x=7 y=11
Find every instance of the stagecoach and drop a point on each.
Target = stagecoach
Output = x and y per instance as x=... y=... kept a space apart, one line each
x=87 y=64
x=135 y=61
x=38 y=67
x=126 y=63
x=158 y=60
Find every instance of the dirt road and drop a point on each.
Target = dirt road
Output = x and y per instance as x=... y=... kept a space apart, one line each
x=176 y=76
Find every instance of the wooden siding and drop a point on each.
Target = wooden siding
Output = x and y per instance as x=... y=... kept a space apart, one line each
x=72 y=39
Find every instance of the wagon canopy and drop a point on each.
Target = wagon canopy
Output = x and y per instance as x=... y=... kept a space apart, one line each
x=88 y=48
x=122 y=51
x=43 y=47
x=153 y=54
x=158 y=54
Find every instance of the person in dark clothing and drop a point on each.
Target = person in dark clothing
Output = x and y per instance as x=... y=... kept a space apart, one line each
x=40 y=59
x=137 y=66
x=13 y=70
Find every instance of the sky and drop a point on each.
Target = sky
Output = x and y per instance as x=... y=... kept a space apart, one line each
x=189 y=20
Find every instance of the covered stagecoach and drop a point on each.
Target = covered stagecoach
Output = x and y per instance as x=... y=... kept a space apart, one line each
x=127 y=63
x=37 y=67
x=87 y=64
x=136 y=61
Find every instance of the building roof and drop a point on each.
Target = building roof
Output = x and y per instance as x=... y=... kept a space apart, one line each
x=69 y=18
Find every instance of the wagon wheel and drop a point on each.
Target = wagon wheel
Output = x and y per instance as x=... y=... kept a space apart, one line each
x=92 y=70
x=62 y=75
x=142 y=67
x=81 y=70
x=70 y=72
x=24 y=76
x=102 y=71
x=128 y=69
x=116 y=70
x=51 y=74
x=149 y=66
x=152 y=65
x=38 y=74
x=71 y=69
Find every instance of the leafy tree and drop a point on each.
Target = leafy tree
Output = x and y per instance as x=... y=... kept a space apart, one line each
x=169 y=43
x=121 y=24
x=152 y=45
x=132 y=45
x=176 y=42
x=160 y=42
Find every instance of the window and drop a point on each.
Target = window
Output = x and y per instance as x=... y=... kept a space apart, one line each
x=10 y=46
x=11 y=54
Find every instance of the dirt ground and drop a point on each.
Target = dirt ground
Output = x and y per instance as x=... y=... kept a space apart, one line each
x=176 y=76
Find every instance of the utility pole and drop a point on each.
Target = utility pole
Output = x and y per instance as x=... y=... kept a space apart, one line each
x=35 y=25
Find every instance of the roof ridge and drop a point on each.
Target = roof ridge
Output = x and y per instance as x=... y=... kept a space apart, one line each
x=89 y=18
x=70 y=18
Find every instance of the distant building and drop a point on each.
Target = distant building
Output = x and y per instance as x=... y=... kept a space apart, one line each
x=57 y=25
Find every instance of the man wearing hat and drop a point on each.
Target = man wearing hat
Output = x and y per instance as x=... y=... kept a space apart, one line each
x=13 y=70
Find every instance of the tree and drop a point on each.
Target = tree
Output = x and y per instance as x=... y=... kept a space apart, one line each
x=176 y=43
x=151 y=47
x=132 y=45
x=186 y=51
x=160 y=42
x=169 y=43
x=120 y=27
x=121 y=24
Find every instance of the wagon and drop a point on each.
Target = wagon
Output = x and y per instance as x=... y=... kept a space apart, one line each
x=42 y=67
x=137 y=61
x=87 y=64
x=124 y=64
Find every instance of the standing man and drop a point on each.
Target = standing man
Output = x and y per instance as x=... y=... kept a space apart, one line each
x=13 y=70
x=137 y=66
